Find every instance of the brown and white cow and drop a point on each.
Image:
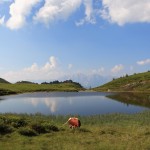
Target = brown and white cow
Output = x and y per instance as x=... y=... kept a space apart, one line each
x=73 y=122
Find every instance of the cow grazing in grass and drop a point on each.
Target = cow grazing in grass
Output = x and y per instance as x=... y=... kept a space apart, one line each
x=73 y=122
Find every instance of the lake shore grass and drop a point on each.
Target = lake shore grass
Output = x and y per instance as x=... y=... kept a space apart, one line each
x=98 y=132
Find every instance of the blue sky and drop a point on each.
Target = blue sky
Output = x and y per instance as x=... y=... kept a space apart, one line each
x=88 y=41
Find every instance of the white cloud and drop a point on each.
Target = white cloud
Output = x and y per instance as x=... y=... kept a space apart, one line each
x=2 y=20
x=89 y=13
x=19 y=10
x=114 y=11
x=52 y=70
x=51 y=11
x=52 y=64
x=49 y=71
x=144 y=62
x=127 y=11
x=33 y=68
x=117 y=68
x=56 y=10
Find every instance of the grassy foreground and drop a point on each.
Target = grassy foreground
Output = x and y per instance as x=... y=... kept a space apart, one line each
x=100 y=132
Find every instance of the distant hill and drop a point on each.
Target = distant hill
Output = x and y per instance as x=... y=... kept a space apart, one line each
x=25 y=82
x=136 y=82
x=67 y=84
x=27 y=86
x=3 y=81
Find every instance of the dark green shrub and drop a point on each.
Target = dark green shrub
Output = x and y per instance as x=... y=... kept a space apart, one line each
x=51 y=128
x=44 y=127
x=27 y=132
x=39 y=128
x=5 y=129
x=14 y=121
x=6 y=92
x=19 y=123
x=4 y=119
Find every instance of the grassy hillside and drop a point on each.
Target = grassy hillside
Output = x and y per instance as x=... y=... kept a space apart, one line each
x=137 y=82
x=3 y=81
x=21 y=88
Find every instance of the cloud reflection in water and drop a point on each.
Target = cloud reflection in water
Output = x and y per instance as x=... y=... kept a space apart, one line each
x=51 y=103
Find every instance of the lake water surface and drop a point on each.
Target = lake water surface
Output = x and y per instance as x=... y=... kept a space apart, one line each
x=65 y=103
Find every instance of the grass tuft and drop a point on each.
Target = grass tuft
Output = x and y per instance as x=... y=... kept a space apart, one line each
x=26 y=131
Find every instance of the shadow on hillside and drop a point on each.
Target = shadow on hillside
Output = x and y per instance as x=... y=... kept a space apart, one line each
x=139 y=99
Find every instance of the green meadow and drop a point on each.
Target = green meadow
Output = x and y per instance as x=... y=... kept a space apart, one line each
x=99 y=132
x=132 y=83
x=7 y=88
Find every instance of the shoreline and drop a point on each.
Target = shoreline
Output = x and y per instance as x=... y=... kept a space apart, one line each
x=4 y=92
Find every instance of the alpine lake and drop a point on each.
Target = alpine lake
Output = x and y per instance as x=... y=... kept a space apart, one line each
x=75 y=103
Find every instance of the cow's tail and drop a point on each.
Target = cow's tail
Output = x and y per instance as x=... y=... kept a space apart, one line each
x=65 y=123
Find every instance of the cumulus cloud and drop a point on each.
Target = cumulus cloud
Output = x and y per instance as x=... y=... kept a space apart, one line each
x=89 y=13
x=52 y=10
x=52 y=70
x=144 y=62
x=49 y=71
x=33 y=68
x=117 y=68
x=56 y=10
x=114 y=11
x=52 y=64
x=127 y=11
x=19 y=10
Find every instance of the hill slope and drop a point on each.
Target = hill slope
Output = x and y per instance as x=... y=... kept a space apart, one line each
x=136 y=82
x=3 y=81
x=6 y=89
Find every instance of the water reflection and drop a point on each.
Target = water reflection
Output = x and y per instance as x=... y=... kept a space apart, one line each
x=51 y=103
x=139 y=99
x=64 y=103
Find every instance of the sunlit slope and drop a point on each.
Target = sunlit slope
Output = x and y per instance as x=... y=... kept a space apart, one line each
x=137 y=82
x=21 y=88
